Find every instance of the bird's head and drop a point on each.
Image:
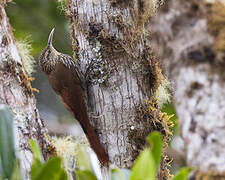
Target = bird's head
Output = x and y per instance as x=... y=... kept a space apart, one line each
x=48 y=57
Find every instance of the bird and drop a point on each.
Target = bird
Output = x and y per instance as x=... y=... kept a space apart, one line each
x=67 y=80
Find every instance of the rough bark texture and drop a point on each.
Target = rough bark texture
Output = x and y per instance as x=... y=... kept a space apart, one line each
x=17 y=93
x=195 y=64
x=111 y=42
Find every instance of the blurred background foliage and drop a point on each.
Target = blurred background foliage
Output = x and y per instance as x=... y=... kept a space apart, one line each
x=34 y=19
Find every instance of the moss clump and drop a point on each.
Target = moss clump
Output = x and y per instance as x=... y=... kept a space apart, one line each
x=67 y=148
x=162 y=94
x=210 y=175
x=121 y=3
x=146 y=9
x=63 y=6
x=160 y=85
x=153 y=119
x=220 y=41
x=216 y=25
x=150 y=118
x=18 y=71
x=24 y=48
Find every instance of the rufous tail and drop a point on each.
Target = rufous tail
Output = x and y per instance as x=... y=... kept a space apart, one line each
x=77 y=108
x=95 y=143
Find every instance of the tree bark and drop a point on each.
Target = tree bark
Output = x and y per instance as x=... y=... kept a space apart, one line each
x=111 y=41
x=182 y=34
x=17 y=93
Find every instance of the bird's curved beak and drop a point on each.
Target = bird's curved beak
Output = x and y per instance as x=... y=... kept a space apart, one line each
x=50 y=37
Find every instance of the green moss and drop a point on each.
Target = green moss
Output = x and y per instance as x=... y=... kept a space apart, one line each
x=27 y=22
x=169 y=109
x=63 y=6
x=152 y=119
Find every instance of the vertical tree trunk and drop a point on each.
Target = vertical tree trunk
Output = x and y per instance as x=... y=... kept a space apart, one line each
x=17 y=93
x=194 y=60
x=111 y=41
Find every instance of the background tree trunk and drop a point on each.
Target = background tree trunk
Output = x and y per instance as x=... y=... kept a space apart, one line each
x=17 y=93
x=111 y=41
x=188 y=37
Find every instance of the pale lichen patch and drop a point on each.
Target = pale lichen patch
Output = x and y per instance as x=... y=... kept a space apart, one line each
x=162 y=94
x=25 y=48
x=68 y=149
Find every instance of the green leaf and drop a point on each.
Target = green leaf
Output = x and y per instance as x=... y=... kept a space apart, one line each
x=144 y=167
x=85 y=175
x=182 y=174
x=83 y=159
x=50 y=170
x=7 y=151
x=155 y=140
x=16 y=175
x=35 y=168
x=36 y=150
x=120 y=174
x=63 y=175
x=37 y=159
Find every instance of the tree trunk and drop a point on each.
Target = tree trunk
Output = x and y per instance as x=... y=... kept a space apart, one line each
x=17 y=93
x=111 y=41
x=190 y=40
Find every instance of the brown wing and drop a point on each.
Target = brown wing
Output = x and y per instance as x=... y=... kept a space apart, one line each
x=68 y=86
x=74 y=66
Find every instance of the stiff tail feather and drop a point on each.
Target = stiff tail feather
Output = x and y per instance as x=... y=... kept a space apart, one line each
x=95 y=143
x=80 y=113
